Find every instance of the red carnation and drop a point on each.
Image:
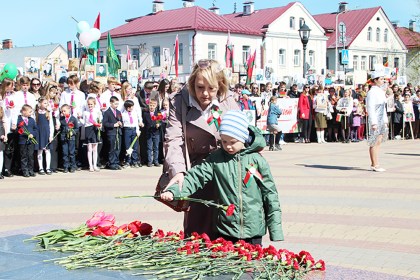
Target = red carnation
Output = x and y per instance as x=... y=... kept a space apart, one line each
x=22 y=123
x=145 y=229
x=230 y=210
x=154 y=118
x=133 y=227
x=55 y=105
x=103 y=105
x=71 y=125
x=67 y=116
x=320 y=265
x=21 y=131
x=11 y=103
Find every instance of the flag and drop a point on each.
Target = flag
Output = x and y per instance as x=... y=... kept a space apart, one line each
x=176 y=55
x=229 y=53
x=93 y=51
x=386 y=64
x=250 y=67
x=112 y=58
x=128 y=54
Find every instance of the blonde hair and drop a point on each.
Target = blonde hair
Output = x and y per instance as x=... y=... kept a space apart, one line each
x=213 y=74
x=95 y=87
x=124 y=87
x=112 y=80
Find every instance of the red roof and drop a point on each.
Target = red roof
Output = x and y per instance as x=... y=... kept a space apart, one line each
x=355 y=20
x=259 y=19
x=411 y=39
x=191 y=18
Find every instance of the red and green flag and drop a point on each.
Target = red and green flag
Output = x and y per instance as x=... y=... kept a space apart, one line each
x=252 y=174
x=229 y=53
x=93 y=50
x=250 y=67
x=112 y=58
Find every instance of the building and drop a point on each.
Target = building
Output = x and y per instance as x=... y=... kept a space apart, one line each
x=411 y=39
x=369 y=37
x=52 y=53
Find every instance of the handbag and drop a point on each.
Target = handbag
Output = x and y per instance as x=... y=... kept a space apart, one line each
x=177 y=205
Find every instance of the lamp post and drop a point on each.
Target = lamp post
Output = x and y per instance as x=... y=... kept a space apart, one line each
x=336 y=38
x=304 y=32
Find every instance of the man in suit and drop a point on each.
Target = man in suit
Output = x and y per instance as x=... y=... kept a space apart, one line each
x=144 y=95
x=112 y=122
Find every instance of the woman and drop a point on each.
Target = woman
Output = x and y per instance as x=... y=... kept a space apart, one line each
x=321 y=111
x=345 y=108
x=161 y=93
x=305 y=113
x=207 y=94
x=36 y=88
x=377 y=119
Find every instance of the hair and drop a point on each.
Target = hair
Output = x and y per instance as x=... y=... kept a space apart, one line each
x=38 y=107
x=1 y=112
x=91 y=98
x=148 y=85
x=128 y=104
x=48 y=88
x=162 y=85
x=124 y=87
x=268 y=84
x=84 y=86
x=26 y=107
x=6 y=83
x=255 y=85
x=65 y=106
x=112 y=80
x=113 y=99
x=214 y=76
x=273 y=99
x=152 y=100
x=174 y=87
x=239 y=86
x=23 y=80
x=73 y=80
x=95 y=87
x=40 y=90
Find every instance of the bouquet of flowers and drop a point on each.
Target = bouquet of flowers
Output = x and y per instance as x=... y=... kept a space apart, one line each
x=157 y=118
x=10 y=104
x=70 y=131
x=22 y=129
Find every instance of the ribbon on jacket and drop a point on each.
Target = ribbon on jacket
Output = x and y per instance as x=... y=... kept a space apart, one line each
x=215 y=117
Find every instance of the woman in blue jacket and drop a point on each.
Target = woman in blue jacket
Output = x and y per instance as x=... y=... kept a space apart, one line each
x=274 y=113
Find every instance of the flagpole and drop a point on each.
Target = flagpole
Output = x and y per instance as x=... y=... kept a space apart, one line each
x=172 y=60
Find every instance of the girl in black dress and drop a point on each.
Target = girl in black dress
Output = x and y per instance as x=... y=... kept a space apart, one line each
x=44 y=121
x=92 y=119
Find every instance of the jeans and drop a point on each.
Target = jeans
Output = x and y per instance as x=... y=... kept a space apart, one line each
x=69 y=153
x=129 y=135
x=153 y=139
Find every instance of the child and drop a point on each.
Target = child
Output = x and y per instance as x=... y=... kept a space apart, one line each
x=92 y=119
x=151 y=125
x=131 y=129
x=73 y=97
x=10 y=112
x=95 y=91
x=51 y=94
x=3 y=138
x=68 y=131
x=274 y=113
x=111 y=91
x=239 y=162
x=355 y=124
x=165 y=114
x=44 y=121
x=27 y=130
x=112 y=122
x=23 y=96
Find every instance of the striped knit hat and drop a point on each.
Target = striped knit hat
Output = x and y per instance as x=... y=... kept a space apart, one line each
x=235 y=124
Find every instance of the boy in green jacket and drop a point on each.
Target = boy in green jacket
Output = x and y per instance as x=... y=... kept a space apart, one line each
x=243 y=178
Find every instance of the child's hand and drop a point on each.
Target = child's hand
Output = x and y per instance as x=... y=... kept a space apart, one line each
x=57 y=127
x=167 y=196
x=2 y=137
x=141 y=124
x=138 y=134
x=5 y=139
x=30 y=136
x=13 y=126
x=157 y=125
x=116 y=124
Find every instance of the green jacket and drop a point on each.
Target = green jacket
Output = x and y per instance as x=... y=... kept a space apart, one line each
x=257 y=204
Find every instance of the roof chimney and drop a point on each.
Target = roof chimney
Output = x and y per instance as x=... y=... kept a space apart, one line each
x=7 y=44
x=395 y=23
x=157 y=6
x=412 y=25
x=342 y=7
x=188 y=3
x=215 y=10
x=248 y=8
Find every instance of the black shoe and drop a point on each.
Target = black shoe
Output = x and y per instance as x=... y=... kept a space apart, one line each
x=65 y=170
x=1 y=176
x=48 y=172
x=72 y=170
x=149 y=165
x=32 y=174
x=26 y=175
x=114 y=167
x=278 y=147
x=156 y=164
x=41 y=172
x=7 y=173
x=78 y=168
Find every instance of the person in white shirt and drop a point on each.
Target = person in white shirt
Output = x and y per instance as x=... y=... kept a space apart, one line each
x=131 y=133
x=92 y=120
x=23 y=96
x=111 y=91
x=73 y=97
x=377 y=118
x=345 y=108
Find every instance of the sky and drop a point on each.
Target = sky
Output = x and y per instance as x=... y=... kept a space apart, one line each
x=43 y=22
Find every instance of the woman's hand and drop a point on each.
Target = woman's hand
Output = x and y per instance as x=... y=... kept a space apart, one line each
x=374 y=127
x=177 y=179
x=167 y=196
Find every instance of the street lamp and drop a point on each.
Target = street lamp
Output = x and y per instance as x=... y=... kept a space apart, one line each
x=304 y=32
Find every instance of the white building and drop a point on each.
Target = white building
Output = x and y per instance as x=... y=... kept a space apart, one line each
x=370 y=39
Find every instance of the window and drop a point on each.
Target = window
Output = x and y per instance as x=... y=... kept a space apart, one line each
x=211 y=51
x=378 y=34
x=181 y=54
x=156 y=56
x=246 y=50
x=372 y=62
x=386 y=35
x=135 y=54
x=301 y=22
x=363 y=63
x=311 y=58
x=396 y=62
x=356 y=62
x=282 y=57
x=296 y=58
x=292 y=23
x=369 y=34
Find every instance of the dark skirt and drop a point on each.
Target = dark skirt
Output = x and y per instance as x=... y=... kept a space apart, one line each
x=91 y=134
x=43 y=132
x=2 y=144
